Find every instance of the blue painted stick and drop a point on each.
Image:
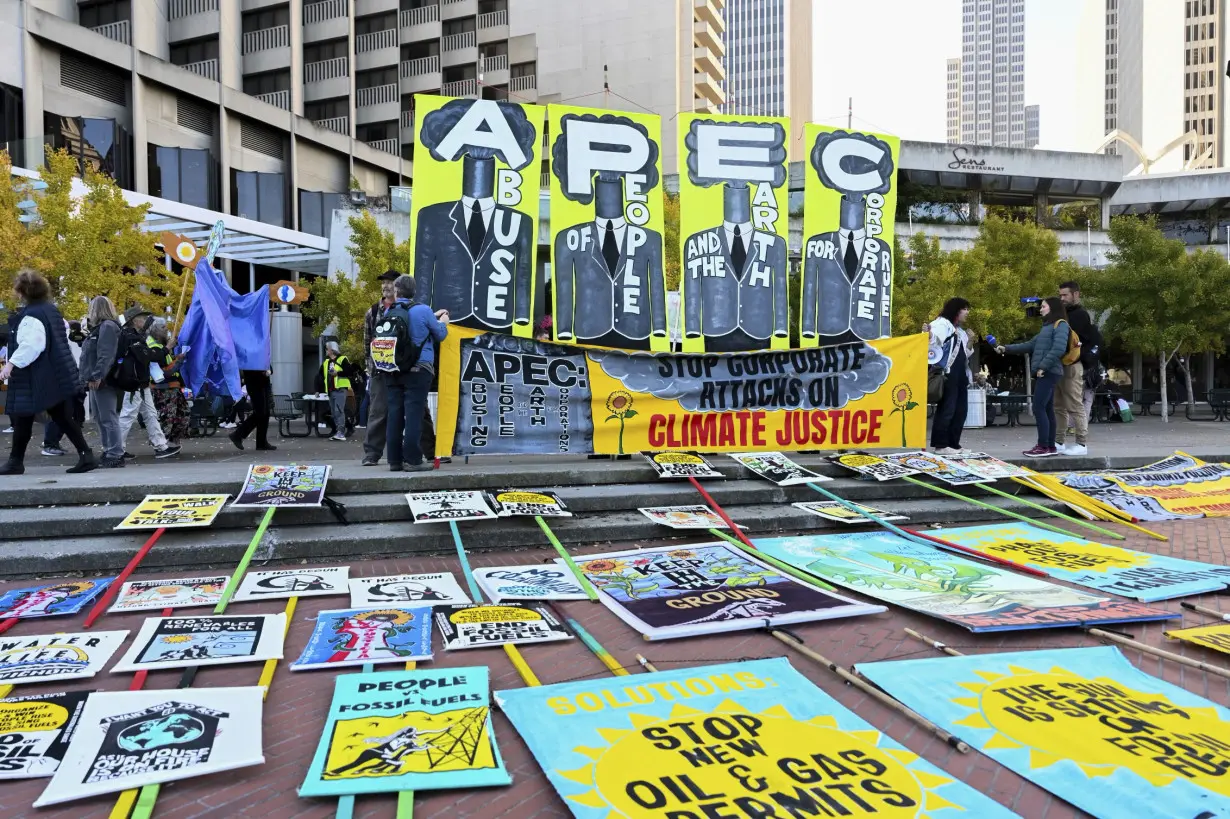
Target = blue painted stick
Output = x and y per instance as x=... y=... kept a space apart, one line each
x=475 y=591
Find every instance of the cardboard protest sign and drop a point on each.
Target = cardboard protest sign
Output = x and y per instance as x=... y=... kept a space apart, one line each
x=180 y=642
x=750 y=739
x=684 y=517
x=682 y=591
x=277 y=584
x=1139 y=575
x=936 y=466
x=407 y=730
x=35 y=732
x=399 y=589
x=1083 y=723
x=433 y=507
x=681 y=465
x=357 y=636
x=776 y=467
x=479 y=626
x=541 y=582
x=55 y=657
x=510 y=502
x=172 y=593
x=873 y=466
x=1178 y=487
x=290 y=485
x=832 y=510
x=979 y=463
x=51 y=599
x=174 y=512
x=978 y=596
x=1216 y=636
x=129 y=739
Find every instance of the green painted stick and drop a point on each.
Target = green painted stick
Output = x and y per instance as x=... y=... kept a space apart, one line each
x=345 y=804
x=590 y=591
x=774 y=562
x=242 y=568
x=1041 y=508
x=989 y=506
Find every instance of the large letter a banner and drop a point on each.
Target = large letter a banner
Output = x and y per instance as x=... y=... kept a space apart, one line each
x=747 y=739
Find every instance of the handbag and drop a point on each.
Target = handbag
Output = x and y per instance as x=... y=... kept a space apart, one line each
x=936 y=375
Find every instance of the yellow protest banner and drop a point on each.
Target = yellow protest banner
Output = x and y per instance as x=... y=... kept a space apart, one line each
x=475 y=210
x=1216 y=636
x=174 y=512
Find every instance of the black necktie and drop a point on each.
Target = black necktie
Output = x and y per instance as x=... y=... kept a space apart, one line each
x=476 y=229
x=851 y=256
x=738 y=253
x=610 y=248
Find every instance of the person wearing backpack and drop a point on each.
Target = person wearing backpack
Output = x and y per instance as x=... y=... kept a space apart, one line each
x=1047 y=350
x=131 y=375
x=403 y=354
x=1084 y=377
x=375 y=440
x=98 y=355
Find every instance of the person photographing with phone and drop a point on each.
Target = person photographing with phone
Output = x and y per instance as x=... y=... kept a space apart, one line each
x=1047 y=351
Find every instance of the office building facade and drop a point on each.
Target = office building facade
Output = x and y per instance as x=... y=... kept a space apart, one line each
x=992 y=75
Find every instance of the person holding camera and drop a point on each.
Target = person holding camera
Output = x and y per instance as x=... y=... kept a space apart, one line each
x=948 y=356
x=1047 y=350
x=1075 y=398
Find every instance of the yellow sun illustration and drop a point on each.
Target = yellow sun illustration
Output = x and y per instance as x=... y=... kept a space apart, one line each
x=681 y=554
x=624 y=776
x=1097 y=725
x=386 y=615
x=177 y=638
x=604 y=566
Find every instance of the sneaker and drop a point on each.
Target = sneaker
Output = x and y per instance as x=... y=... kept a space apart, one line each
x=445 y=460
x=266 y=447
x=338 y=438
x=425 y=466
x=111 y=463
x=1036 y=452
x=947 y=450
x=370 y=462
x=225 y=425
x=395 y=467
x=128 y=456
x=322 y=426
x=360 y=426
x=53 y=452
x=8 y=431
x=1050 y=452
x=1075 y=449
x=167 y=451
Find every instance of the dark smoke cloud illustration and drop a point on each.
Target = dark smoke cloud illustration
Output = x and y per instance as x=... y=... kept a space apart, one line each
x=854 y=164
x=559 y=155
x=776 y=148
x=438 y=124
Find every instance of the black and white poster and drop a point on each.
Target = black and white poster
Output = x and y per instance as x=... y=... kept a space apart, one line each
x=834 y=511
x=512 y=502
x=179 y=642
x=480 y=626
x=279 y=584
x=436 y=507
x=873 y=466
x=35 y=732
x=396 y=590
x=543 y=582
x=54 y=657
x=776 y=467
x=673 y=465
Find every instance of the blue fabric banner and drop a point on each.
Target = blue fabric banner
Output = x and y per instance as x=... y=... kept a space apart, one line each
x=360 y=636
x=1084 y=723
x=749 y=739
x=407 y=730
x=224 y=333
x=51 y=599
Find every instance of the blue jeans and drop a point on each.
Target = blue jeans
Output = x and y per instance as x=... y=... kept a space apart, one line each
x=1044 y=408
x=407 y=400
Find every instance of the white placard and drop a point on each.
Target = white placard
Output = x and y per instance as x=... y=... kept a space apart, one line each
x=436 y=507
x=218 y=639
x=54 y=657
x=542 y=582
x=279 y=584
x=172 y=593
x=440 y=589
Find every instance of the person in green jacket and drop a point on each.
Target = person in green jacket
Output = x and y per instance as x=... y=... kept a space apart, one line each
x=334 y=379
x=1046 y=351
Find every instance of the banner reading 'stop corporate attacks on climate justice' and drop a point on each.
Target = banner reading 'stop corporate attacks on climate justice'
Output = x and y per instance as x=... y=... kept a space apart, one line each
x=504 y=395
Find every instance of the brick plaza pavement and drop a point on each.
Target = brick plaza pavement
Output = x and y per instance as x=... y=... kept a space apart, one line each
x=296 y=708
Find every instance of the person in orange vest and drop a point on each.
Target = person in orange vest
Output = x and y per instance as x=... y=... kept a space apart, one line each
x=335 y=375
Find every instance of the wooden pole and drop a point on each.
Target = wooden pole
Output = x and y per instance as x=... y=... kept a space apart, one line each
x=109 y=595
x=993 y=508
x=956 y=547
x=183 y=291
x=1158 y=652
x=936 y=644
x=782 y=566
x=596 y=647
x=1086 y=524
x=645 y=664
x=1220 y=615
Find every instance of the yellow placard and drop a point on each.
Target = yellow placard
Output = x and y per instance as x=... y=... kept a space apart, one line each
x=374 y=746
x=174 y=512
x=1216 y=636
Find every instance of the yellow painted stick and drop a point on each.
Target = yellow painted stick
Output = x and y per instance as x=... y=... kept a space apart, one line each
x=271 y=666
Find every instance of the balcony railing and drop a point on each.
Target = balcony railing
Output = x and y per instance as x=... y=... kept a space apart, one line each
x=420 y=66
x=278 y=99
x=407 y=118
x=119 y=31
x=206 y=68
x=326 y=70
x=461 y=88
x=498 y=62
x=266 y=38
x=419 y=16
x=389 y=146
x=186 y=8
x=493 y=18
x=456 y=42
x=327 y=10
x=339 y=125
x=452 y=2
x=523 y=83
x=376 y=95
x=375 y=40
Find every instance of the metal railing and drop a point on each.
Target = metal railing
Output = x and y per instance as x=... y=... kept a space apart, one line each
x=278 y=99
x=419 y=16
x=420 y=66
x=389 y=146
x=493 y=18
x=118 y=31
x=376 y=95
x=206 y=68
x=499 y=62
x=339 y=125
x=266 y=38
x=375 y=40
x=326 y=70
x=523 y=83
x=453 y=2
x=407 y=118
x=326 y=10
x=455 y=42
x=461 y=88
x=186 y=8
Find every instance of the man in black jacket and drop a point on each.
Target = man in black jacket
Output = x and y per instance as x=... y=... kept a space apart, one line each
x=377 y=403
x=1079 y=379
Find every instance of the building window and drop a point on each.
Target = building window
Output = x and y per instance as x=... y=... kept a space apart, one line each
x=316 y=210
x=328 y=50
x=375 y=22
x=195 y=51
x=185 y=175
x=378 y=77
x=101 y=144
x=327 y=109
x=266 y=18
x=266 y=83
x=93 y=15
x=259 y=196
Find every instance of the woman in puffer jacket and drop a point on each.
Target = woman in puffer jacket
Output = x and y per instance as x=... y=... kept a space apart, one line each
x=1046 y=350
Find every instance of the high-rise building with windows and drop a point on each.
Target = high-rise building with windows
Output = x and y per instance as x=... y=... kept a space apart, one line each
x=1031 y=126
x=992 y=71
x=953 y=95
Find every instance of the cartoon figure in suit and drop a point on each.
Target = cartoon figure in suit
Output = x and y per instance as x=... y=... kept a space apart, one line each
x=734 y=274
x=609 y=285
x=848 y=273
x=472 y=256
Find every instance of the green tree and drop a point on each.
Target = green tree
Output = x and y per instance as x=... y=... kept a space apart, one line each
x=343 y=302
x=1160 y=300
x=671 y=263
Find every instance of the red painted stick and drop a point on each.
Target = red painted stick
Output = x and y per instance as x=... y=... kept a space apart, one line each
x=114 y=588
x=9 y=623
x=722 y=513
x=1020 y=567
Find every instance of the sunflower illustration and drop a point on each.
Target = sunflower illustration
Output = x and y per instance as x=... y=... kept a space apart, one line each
x=604 y=566
x=619 y=404
x=902 y=403
x=681 y=554
x=395 y=616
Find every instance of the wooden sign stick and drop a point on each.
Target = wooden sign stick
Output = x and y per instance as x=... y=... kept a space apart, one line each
x=1220 y=615
x=936 y=644
x=1158 y=652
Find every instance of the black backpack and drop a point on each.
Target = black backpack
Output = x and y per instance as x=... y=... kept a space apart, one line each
x=133 y=355
x=392 y=351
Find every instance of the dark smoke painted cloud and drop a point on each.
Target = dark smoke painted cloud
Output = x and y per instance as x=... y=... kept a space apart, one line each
x=854 y=164
x=440 y=122
x=776 y=148
x=559 y=155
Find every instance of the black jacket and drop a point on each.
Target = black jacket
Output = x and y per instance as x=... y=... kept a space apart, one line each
x=1091 y=338
x=52 y=377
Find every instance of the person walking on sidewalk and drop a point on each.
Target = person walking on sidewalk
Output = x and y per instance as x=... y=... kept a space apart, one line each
x=407 y=390
x=1075 y=400
x=41 y=373
x=52 y=434
x=375 y=440
x=134 y=337
x=950 y=348
x=1047 y=350
x=334 y=380
x=98 y=355
x=169 y=397
x=260 y=394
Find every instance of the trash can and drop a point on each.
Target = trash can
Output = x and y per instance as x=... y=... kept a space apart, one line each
x=976 y=409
